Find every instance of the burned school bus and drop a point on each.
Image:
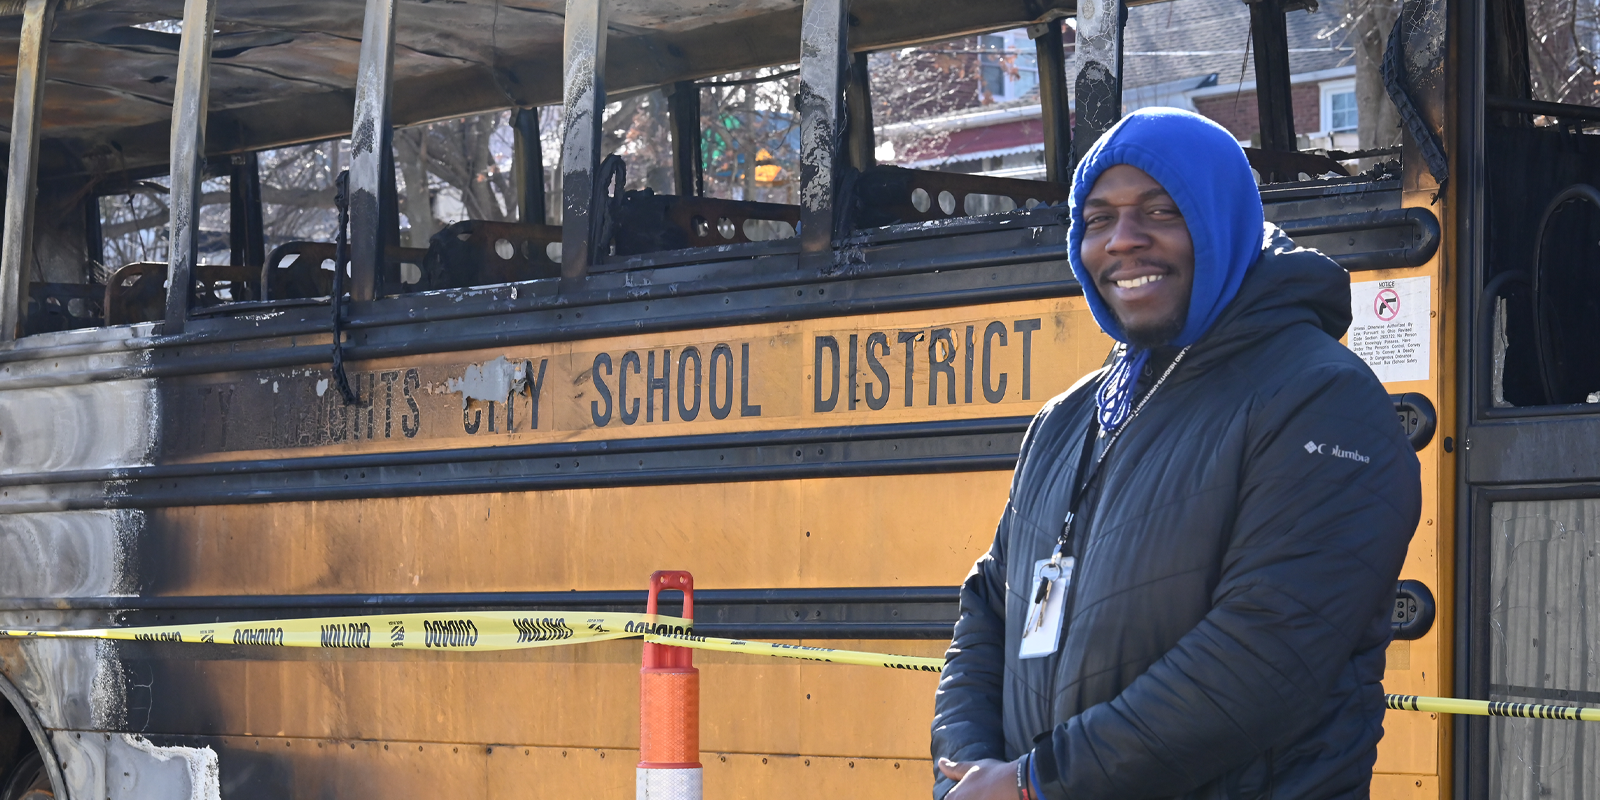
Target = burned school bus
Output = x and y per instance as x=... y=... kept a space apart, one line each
x=810 y=396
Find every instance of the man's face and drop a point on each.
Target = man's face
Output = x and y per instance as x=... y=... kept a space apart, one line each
x=1137 y=248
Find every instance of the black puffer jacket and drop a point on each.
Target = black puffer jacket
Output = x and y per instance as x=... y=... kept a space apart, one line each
x=1227 y=623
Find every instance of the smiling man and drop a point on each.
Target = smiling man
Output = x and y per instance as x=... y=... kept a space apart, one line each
x=1188 y=594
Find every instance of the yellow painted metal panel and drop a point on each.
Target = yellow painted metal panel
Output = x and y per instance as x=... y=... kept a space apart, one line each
x=333 y=768
x=1413 y=758
x=1410 y=743
x=1401 y=786
x=908 y=530
x=580 y=696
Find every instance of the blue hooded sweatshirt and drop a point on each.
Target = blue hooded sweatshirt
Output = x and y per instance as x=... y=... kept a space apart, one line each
x=1205 y=171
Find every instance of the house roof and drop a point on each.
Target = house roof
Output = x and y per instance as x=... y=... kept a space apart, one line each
x=1193 y=38
x=987 y=141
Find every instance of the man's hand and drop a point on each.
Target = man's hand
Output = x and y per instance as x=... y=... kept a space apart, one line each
x=989 y=779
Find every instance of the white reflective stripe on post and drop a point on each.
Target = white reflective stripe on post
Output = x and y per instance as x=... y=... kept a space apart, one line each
x=16 y=251
x=668 y=784
x=369 y=142
x=188 y=157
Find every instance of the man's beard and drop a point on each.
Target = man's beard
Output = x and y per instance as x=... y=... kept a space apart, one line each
x=1157 y=334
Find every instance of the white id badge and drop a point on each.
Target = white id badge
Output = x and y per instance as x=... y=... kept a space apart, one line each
x=1047 y=601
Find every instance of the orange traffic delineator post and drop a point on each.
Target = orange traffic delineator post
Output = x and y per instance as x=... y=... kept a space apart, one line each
x=669 y=707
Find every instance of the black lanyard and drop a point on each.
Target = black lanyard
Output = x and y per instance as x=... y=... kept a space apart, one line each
x=1088 y=469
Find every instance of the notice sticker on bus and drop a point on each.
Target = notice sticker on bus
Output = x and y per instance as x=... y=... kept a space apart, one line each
x=1390 y=328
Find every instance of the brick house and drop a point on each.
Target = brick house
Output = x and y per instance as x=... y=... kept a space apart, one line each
x=1190 y=54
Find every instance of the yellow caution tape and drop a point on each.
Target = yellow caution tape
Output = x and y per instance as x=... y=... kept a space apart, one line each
x=472 y=631
x=513 y=630
x=1489 y=708
x=477 y=630
x=824 y=654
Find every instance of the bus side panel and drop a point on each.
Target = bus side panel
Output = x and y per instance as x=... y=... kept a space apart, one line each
x=906 y=530
x=1413 y=756
x=888 y=530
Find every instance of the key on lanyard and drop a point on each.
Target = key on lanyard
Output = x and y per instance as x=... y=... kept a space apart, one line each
x=1041 y=596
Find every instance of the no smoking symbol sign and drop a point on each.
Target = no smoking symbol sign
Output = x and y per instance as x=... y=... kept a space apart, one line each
x=1387 y=305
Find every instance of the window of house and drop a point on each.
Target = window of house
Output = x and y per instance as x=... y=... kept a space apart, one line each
x=1009 y=65
x=1339 y=113
x=994 y=70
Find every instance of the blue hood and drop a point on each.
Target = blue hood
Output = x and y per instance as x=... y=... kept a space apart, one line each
x=1202 y=166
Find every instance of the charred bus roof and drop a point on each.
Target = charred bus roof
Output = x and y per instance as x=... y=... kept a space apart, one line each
x=284 y=71
x=196 y=89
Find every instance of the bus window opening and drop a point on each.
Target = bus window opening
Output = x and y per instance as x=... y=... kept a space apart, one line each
x=1541 y=292
x=134 y=228
x=708 y=163
x=958 y=131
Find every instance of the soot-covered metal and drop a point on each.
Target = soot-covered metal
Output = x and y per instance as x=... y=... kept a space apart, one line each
x=284 y=71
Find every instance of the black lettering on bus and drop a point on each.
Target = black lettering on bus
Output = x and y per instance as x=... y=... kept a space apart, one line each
x=352 y=411
x=491 y=416
x=993 y=392
x=875 y=341
x=535 y=386
x=967 y=394
x=369 y=404
x=1026 y=327
x=652 y=383
x=355 y=409
x=629 y=415
x=722 y=353
x=389 y=400
x=941 y=366
x=601 y=419
x=686 y=412
x=909 y=338
x=347 y=634
x=411 y=423
x=830 y=345
x=338 y=424
x=477 y=418
x=745 y=408
x=854 y=370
